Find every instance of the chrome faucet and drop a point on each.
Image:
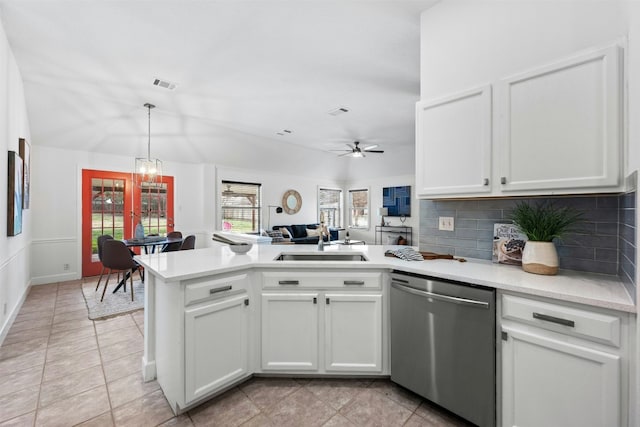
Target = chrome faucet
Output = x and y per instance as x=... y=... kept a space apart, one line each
x=321 y=238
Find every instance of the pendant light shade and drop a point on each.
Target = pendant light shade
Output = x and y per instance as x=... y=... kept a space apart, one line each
x=148 y=169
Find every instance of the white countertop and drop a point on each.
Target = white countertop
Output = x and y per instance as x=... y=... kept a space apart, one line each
x=586 y=288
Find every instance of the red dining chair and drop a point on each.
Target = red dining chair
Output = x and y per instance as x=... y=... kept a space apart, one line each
x=117 y=257
x=188 y=243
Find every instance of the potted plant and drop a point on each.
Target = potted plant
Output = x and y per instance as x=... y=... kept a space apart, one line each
x=542 y=223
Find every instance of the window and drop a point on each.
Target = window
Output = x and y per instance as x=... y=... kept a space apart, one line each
x=330 y=207
x=359 y=208
x=240 y=207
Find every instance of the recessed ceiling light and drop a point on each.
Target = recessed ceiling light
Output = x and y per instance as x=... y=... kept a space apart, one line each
x=338 y=111
x=287 y=131
x=280 y=133
x=164 y=83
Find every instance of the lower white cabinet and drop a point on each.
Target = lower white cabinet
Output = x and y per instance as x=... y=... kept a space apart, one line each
x=344 y=328
x=290 y=331
x=216 y=337
x=353 y=332
x=556 y=371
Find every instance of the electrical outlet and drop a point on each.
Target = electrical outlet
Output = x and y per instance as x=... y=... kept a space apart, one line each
x=445 y=223
x=65 y=267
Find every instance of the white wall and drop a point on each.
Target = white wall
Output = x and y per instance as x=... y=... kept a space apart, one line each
x=14 y=251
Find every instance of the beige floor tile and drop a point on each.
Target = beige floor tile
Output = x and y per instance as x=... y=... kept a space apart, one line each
x=115 y=323
x=112 y=337
x=138 y=317
x=20 y=348
x=71 y=364
x=66 y=349
x=265 y=392
x=371 y=408
x=41 y=307
x=123 y=366
x=300 y=408
x=22 y=361
x=65 y=337
x=69 y=385
x=29 y=334
x=19 y=380
x=399 y=394
x=438 y=417
x=70 y=325
x=71 y=315
x=121 y=349
x=149 y=410
x=30 y=324
x=260 y=420
x=230 y=409
x=75 y=409
x=18 y=403
x=104 y=420
x=336 y=392
x=179 y=421
x=34 y=315
x=129 y=388
x=418 y=421
x=338 y=421
x=25 y=420
x=69 y=307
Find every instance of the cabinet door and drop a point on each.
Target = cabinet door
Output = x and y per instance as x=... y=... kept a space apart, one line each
x=560 y=125
x=453 y=144
x=216 y=338
x=290 y=331
x=353 y=332
x=546 y=382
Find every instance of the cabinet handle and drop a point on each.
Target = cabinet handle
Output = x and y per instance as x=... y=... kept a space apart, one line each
x=288 y=282
x=327 y=301
x=553 y=319
x=315 y=300
x=485 y=181
x=222 y=289
x=503 y=180
x=246 y=302
x=354 y=282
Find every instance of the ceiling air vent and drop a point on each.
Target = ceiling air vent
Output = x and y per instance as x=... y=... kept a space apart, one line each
x=338 y=111
x=164 y=84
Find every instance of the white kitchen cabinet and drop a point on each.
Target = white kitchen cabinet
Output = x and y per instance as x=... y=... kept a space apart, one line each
x=290 y=331
x=353 y=332
x=557 y=129
x=453 y=144
x=562 y=365
x=216 y=338
x=560 y=124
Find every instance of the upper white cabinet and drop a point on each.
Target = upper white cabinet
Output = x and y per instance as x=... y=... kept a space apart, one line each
x=560 y=124
x=557 y=130
x=453 y=143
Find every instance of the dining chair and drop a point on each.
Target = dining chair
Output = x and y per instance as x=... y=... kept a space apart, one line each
x=175 y=246
x=100 y=241
x=117 y=257
x=188 y=243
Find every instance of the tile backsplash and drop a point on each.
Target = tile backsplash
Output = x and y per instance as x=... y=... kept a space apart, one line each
x=603 y=243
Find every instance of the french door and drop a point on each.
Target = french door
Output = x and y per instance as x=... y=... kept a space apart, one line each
x=112 y=203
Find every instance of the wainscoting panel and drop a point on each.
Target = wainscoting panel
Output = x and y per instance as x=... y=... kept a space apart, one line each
x=55 y=260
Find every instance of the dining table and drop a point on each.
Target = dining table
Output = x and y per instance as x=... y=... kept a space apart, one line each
x=149 y=244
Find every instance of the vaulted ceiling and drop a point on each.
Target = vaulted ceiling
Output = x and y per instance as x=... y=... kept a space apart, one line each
x=245 y=72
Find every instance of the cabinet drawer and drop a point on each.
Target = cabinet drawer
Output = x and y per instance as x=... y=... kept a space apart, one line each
x=330 y=280
x=197 y=290
x=594 y=326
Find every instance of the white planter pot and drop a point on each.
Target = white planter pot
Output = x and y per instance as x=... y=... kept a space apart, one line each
x=540 y=258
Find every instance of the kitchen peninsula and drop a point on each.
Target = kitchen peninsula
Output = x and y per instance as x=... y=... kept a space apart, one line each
x=213 y=318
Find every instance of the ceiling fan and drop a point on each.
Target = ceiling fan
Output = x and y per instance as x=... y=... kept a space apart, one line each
x=355 y=150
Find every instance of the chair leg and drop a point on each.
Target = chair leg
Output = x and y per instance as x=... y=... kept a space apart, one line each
x=131 y=279
x=105 y=285
x=101 y=274
x=141 y=273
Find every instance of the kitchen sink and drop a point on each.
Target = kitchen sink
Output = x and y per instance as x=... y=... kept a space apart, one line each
x=321 y=257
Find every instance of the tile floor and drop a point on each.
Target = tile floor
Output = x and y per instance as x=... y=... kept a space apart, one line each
x=57 y=368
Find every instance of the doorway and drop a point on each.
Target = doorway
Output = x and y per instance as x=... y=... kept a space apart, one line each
x=112 y=203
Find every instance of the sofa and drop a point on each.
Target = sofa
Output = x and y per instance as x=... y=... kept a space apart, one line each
x=299 y=235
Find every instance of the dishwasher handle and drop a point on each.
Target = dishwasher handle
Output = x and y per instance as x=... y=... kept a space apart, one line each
x=440 y=297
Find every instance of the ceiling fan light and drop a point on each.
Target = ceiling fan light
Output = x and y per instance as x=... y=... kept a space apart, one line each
x=357 y=155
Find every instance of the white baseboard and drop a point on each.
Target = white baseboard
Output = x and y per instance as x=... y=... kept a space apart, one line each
x=148 y=370
x=54 y=278
x=14 y=313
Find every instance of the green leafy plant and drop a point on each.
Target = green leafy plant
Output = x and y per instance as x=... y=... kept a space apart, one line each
x=544 y=221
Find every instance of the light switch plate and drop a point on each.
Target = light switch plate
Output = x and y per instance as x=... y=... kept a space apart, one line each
x=445 y=223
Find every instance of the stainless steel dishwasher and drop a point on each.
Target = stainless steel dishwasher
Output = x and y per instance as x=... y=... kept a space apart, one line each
x=443 y=344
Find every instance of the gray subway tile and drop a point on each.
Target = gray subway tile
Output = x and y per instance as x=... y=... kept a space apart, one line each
x=498 y=204
x=457 y=243
x=589 y=265
x=607 y=228
x=441 y=249
x=601 y=215
x=450 y=205
x=576 y=252
x=628 y=200
x=488 y=214
x=487 y=224
x=468 y=233
x=608 y=202
x=473 y=253
x=466 y=223
x=609 y=255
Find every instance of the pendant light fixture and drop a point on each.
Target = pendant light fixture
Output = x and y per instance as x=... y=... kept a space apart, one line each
x=148 y=169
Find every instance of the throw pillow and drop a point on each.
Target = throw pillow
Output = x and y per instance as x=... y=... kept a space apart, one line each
x=285 y=233
x=313 y=233
x=392 y=240
x=299 y=230
x=276 y=236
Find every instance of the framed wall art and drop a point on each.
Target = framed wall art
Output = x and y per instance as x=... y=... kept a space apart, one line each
x=25 y=153
x=397 y=200
x=14 y=194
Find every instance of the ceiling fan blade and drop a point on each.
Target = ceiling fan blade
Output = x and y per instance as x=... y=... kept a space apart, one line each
x=350 y=151
x=346 y=154
x=375 y=151
x=369 y=147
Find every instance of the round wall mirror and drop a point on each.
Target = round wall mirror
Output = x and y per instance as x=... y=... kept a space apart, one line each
x=291 y=202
